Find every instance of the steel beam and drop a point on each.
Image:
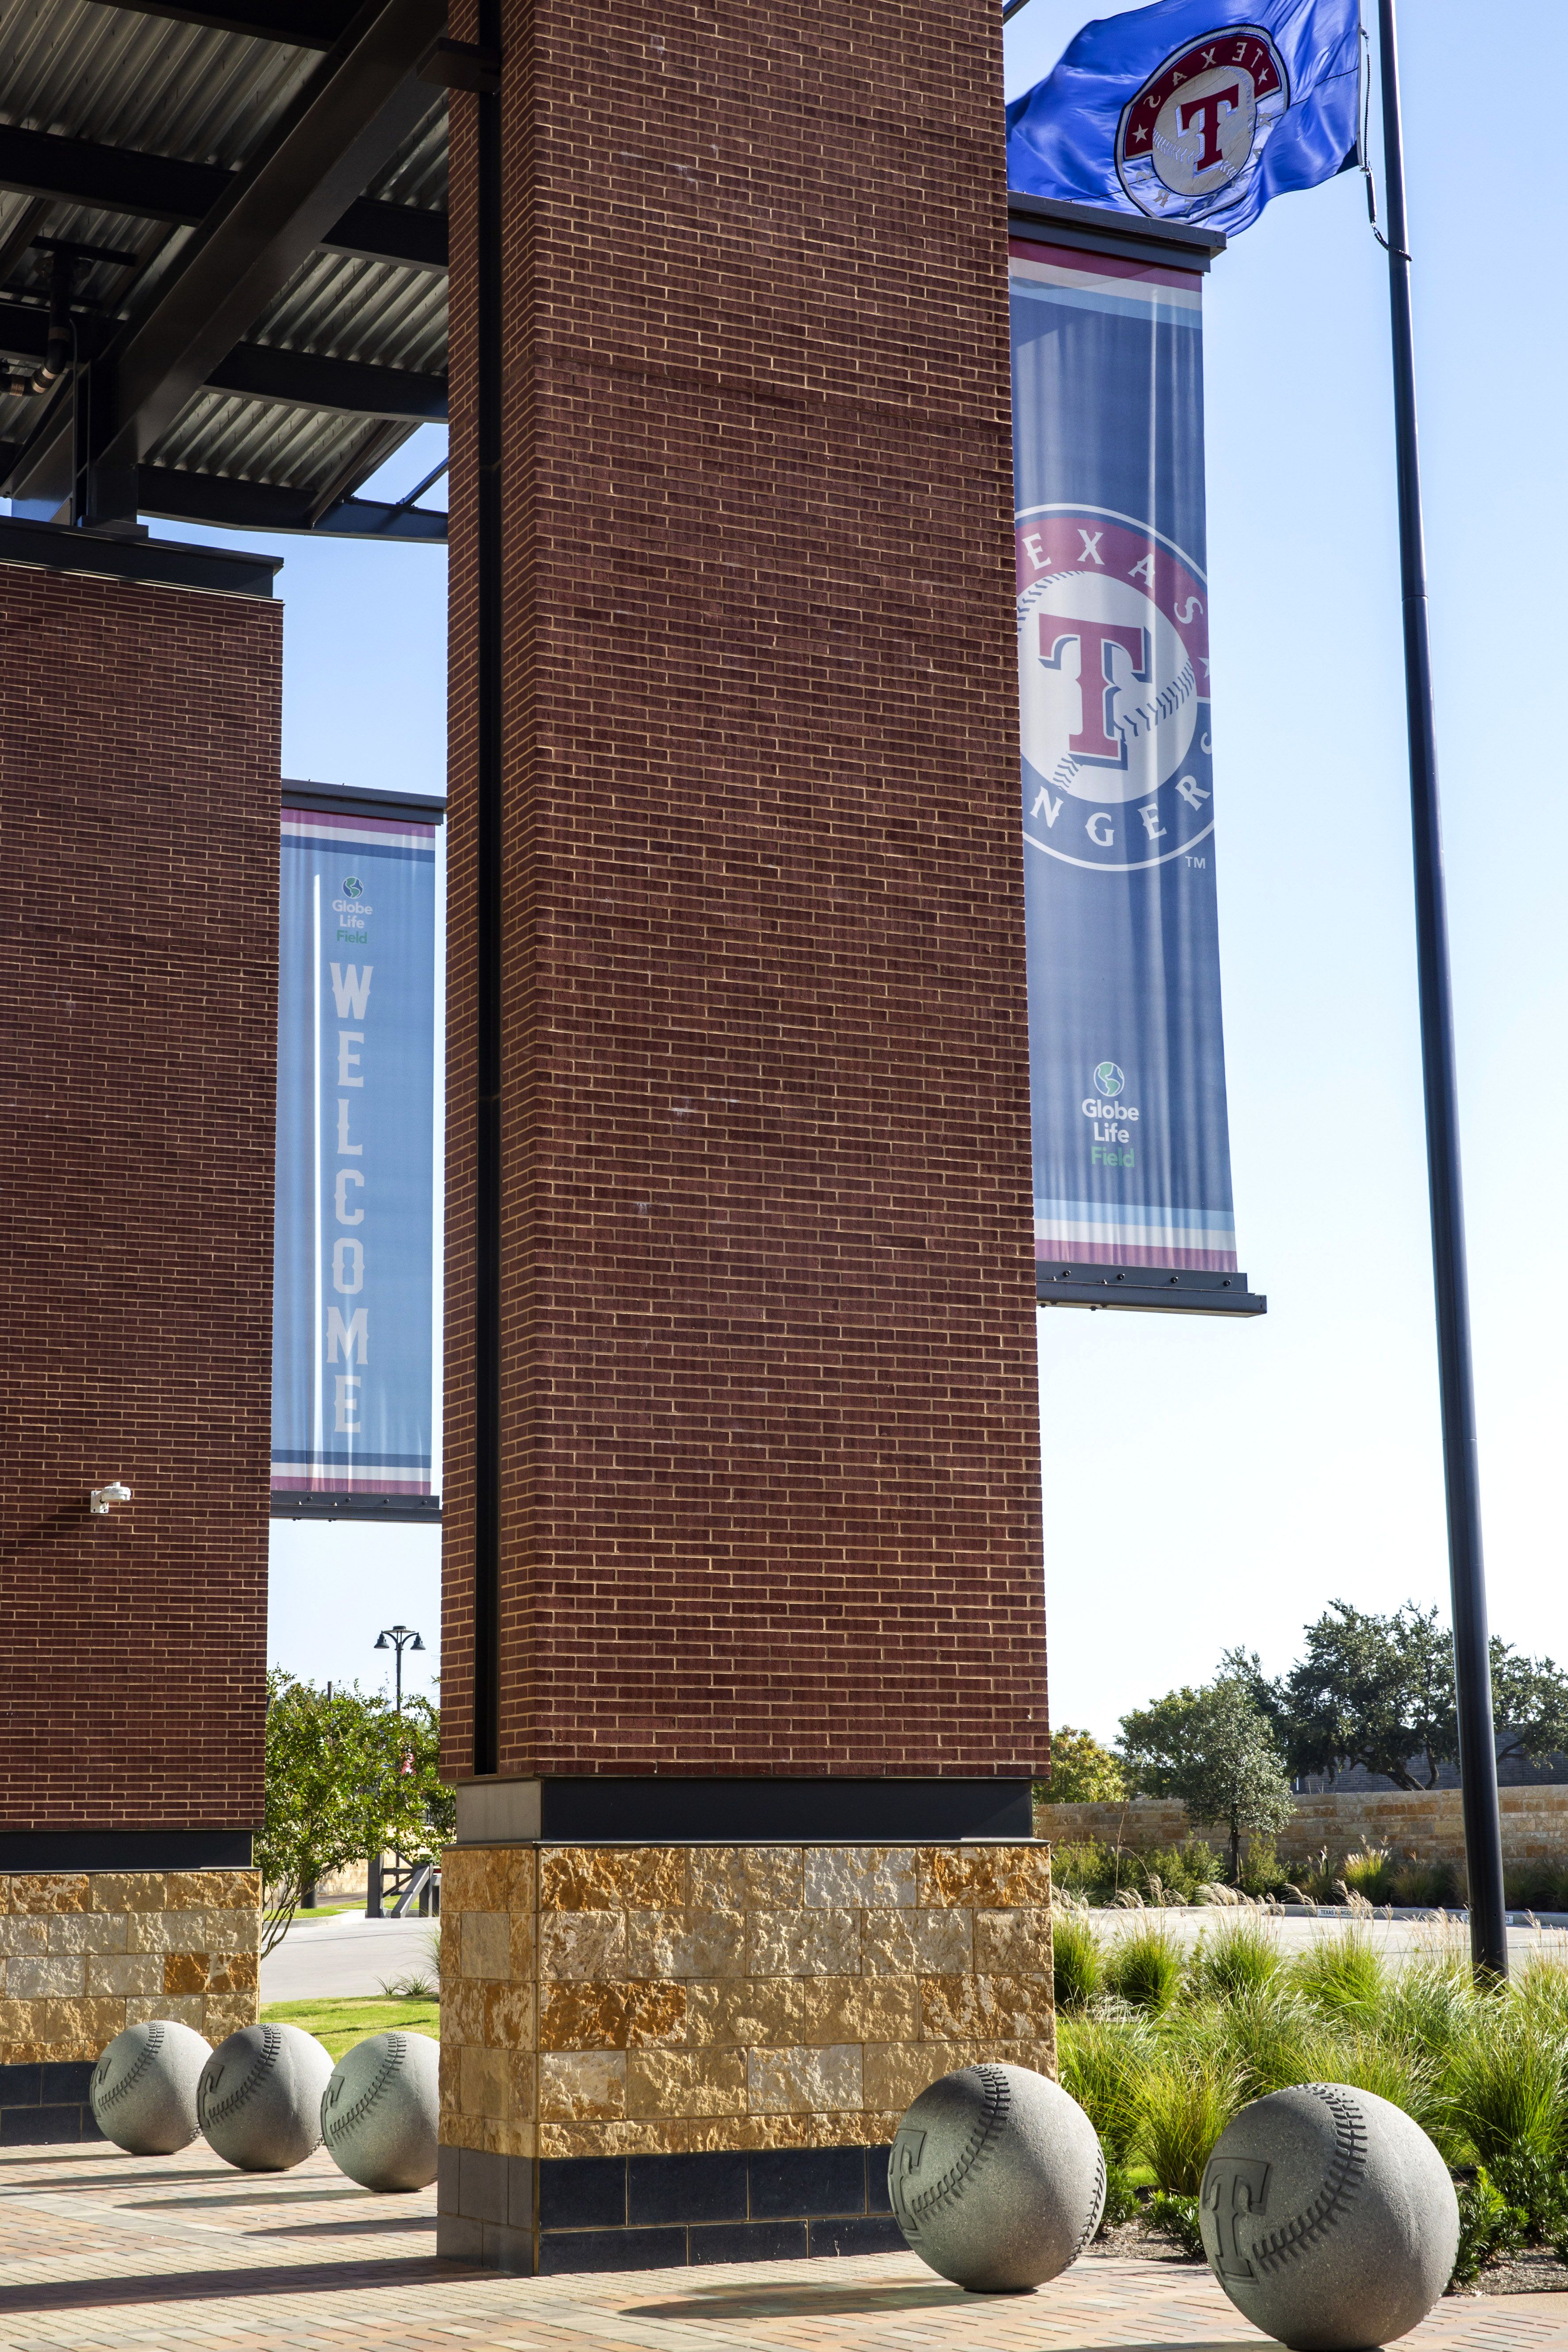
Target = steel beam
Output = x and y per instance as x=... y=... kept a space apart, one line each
x=264 y=372
x=302 y=24
x=306 y=380
x=347 y=122
x=166 y=188
x=232 y=505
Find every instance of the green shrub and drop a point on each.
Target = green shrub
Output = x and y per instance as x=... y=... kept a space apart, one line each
x=1144 y=1966
x=1531 y=2185
x=1102 y=2061
x=1242 y=1955
x=1370 y=1874
x=1488 y=2228
x=1183 y=2103
x=1504 y=2085
x=1090 y=1870
x=1079 y=1962
x=1424 y=1885
x=1176 y=2218
x=1262 y=1872
x=1121 y=2198
x=1536 y=1887
x=1181 y=1869
x=1343 y=1975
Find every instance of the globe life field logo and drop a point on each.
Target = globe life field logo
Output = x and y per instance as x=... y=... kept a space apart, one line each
x=1114 y=1120
x=1112 y=692
x=1193 y=138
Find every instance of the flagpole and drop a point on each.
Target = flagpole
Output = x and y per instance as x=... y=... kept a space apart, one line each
x=1472 y=1667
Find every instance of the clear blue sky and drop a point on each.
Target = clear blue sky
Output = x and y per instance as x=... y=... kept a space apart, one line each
x=1207 y=1483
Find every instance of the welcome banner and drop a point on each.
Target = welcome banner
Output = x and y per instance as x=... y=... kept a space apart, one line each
x=352 y=1367
x=1132 y=1149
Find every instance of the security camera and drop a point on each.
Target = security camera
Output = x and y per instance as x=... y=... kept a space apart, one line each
x=101 y=1497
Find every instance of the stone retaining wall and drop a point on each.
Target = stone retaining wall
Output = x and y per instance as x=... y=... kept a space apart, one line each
x=1425 y=1822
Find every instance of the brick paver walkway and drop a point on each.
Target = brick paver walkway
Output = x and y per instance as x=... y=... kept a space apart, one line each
x=100 y=2251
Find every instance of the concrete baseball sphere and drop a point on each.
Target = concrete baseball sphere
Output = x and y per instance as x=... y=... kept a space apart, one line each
x=259 y=2099
x=1329 y=2217
x=144 y=2087
x=997 y=2179
x=380 y=2111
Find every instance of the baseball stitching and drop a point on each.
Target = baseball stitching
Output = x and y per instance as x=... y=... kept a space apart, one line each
x=267 y=2058
x=985 y=2131
x=392 y=2060
x=144 y=2057
x=1096 y=2204
x=1346 y=2176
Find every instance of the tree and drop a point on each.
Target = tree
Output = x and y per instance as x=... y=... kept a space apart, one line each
x=1213 y=1748
x=1379 y=1692
x=1375 y=1691
x=1082 y=1771
x=346 y=1777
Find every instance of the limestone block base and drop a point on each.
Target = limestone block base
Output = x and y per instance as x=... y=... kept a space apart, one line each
x=83 y=1954
x=611 y=2013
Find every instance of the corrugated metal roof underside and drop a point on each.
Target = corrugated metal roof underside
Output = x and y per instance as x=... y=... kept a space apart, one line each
x=118 y=78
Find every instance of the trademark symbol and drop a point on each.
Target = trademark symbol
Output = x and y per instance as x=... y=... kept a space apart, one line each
x=1198 y=861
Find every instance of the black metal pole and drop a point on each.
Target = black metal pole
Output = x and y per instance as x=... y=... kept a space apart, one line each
x=1472 y=1665
x=488 y=977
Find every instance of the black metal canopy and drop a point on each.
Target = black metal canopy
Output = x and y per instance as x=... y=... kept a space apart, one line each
x=223 y=250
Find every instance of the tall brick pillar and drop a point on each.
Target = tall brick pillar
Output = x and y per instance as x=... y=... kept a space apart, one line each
x=745 y=1659
x=139 y=736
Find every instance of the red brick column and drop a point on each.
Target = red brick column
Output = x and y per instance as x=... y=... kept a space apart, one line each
x=770 y=1490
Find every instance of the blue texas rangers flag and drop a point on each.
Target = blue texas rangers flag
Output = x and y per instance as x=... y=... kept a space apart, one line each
x=1194 y=110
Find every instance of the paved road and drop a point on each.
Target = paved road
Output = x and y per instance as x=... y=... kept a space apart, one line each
x=1399 y=1937
x=345 y=1956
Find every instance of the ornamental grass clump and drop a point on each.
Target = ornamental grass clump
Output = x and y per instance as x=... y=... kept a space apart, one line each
x=1102 y=2061
x=1078 y=1961
x=1242 y=1957
x=1503 y=2090
x=1183 y=2103
x=1145 y=1968
x=1429 y=2003
x=1343 y=1976
x=1270 y=2036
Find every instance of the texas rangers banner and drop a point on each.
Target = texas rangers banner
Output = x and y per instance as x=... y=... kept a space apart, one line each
x=1194 y=110
x=1131 y=1143
x=353 y=1363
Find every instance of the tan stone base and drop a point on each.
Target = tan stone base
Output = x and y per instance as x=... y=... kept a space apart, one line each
x=83 y=1954
x=607 y=2000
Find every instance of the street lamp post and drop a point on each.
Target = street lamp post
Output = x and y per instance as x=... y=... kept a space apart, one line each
x=398 y=1638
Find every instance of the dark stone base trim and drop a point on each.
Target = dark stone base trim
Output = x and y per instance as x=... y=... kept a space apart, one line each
x=653 y=1810
x=660 y=2212
x=125 y=1849
x=40 y=2105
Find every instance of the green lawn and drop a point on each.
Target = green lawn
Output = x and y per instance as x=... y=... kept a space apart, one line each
x=341 y=2023
x=325 y=1911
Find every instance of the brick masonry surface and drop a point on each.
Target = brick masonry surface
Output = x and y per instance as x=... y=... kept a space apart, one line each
x=83 y=1954
x=770 y=1497
x=1426 y=1822
x=663 y=2001
x=139 y=734
x=120 y=2251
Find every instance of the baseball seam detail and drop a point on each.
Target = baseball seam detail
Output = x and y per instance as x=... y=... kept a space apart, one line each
x=390 y=2062
x=145 y=2058
x=1346 y=2175
x=267 y=2058
x=985 y=2130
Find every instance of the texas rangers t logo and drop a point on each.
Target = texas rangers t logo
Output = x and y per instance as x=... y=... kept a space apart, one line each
x=1113 y=690
x=1192 y=138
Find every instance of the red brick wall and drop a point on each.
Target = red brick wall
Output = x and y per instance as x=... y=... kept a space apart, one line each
x=138 y=754
x=770 y=1496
